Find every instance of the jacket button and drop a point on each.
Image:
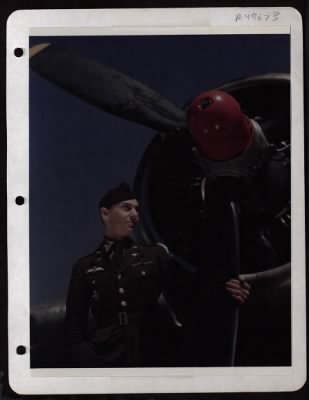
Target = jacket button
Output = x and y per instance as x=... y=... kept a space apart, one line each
x=119 y=276
x=93 y=281
x=95 y=295
x=123 y=303
x=121 y=290
x=143 y=273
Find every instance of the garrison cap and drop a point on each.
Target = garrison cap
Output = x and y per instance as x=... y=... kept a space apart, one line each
x=117 y=195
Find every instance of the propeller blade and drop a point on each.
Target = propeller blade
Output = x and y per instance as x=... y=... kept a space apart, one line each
x=106 y=88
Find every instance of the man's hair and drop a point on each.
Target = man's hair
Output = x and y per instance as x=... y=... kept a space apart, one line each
x=117 y=195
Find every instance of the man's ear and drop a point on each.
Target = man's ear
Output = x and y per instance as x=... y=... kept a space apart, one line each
x=104 y=213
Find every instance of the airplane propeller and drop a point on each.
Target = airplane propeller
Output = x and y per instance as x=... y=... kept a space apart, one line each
x=125 y=97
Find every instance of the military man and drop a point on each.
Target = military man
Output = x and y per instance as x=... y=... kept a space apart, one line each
x=120 y=283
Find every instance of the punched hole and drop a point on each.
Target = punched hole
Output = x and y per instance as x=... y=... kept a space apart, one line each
x=18 y=52
x=19 y=200
x=20 y=350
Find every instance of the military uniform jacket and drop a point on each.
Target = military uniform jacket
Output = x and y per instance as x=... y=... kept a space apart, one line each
x=121 y=296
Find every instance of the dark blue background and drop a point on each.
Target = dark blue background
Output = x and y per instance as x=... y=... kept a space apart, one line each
x=77 y=151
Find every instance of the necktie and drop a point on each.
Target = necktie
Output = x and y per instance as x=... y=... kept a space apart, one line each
x=116 y=253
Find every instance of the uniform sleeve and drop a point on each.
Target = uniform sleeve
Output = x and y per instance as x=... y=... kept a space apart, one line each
x=272 y=286
x=77 y=308
x=177 y=285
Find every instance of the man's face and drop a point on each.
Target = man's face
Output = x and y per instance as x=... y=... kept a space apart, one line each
x=121 y=219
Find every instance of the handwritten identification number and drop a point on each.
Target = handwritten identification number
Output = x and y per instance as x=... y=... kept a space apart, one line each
x=255 y=16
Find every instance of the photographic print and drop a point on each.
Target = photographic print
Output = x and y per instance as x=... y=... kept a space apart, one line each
x=162 y=202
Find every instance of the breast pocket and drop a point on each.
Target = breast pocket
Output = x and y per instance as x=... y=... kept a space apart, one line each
x=146 y=283
x=143 y=270
x=99 y=281
x=146 y=279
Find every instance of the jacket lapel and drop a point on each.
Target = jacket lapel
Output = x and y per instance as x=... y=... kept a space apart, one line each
x=130 y=256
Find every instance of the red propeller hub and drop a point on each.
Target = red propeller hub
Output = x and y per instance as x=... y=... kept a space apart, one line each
x=219 y=128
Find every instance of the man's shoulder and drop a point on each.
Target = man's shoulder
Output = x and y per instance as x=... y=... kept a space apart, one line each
x=88 y=260
x=158 y=249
